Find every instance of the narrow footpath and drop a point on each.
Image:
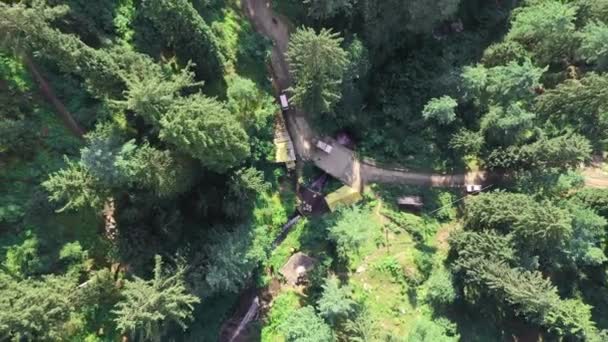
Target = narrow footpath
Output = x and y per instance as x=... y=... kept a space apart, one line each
x=342 y=163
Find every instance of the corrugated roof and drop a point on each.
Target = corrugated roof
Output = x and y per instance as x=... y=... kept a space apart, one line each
x=344 y=196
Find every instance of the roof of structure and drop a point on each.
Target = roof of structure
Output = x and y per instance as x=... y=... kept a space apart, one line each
x=284 y=150
x=342 y=197
x=410 y=200
x=297 y=266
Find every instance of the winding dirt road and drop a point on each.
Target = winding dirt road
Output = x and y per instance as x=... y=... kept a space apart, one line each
x=342 y=163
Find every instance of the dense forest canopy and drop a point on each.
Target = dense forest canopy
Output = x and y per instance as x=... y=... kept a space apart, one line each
x=140 y=198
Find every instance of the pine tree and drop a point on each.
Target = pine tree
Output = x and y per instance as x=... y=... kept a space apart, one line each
x=204 y=129
x=153 y=88
x=149 y=305
x=535 y=298
x=594 y=44
x=184 y=29
x=502 y=85
x=305 y=326
x=562 y=152
x=326 y=9
x=335 y=303
x=76 y=187
x=353 y=227
x=27 y=30
x=546 y=29
x=318 y=64
x=36 y=310
x=232 y=257
x=537 y=227
x=581 y=104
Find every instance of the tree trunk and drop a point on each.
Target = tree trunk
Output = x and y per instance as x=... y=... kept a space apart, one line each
x=48 y=92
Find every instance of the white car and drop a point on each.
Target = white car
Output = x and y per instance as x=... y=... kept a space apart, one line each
x=473 y=188
x=284 y=102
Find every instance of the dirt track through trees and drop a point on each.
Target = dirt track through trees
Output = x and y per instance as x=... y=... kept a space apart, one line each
x=343 y=163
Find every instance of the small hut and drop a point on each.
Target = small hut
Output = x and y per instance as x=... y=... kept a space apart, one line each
x=297 y=268
x=344 y=196
x=413 y=203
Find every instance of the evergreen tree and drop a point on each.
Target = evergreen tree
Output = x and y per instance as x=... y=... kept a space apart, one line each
x=36 y=310
x=581 y=104
x=502 y=85
x=426 y=330
x=588 y=234
x=507 y=126
x=153 y=88
x=28 y=30
x=305 y=326
x=335 y=303
x=162 y=172
x=534 y=298
x=594 y=44
x=233 y=256
x=537 y=227
x=184 y=30
x=318 y=64
x=546 y=29
x=440 y=289
x=326 y=9
x=204 y=129
x=467 y=142
x=563 y=152
x=149 y=305
x=77 y=187
x=353 y=227
x=596 y=199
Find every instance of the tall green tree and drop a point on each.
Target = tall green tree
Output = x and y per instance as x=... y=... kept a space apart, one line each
x=594 y=46
x=546 y=29
x=503 y=84
x=184 y=30
x=335 y=303
x=232 y=258
x=318 y=63
x=148 y=306
x=581 y=104
x=27 y=30
x=534 y=298
x=326 y=9
x=353 y=227
x=537 y=227
x=76 y=187
x=507 y=126
x=203 y=128
x=562 y=152
x=36 y=310
x=305 y=326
